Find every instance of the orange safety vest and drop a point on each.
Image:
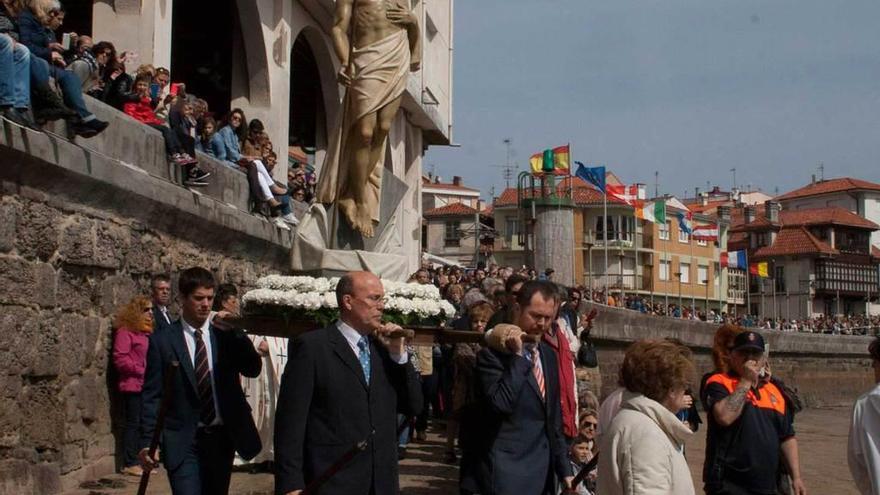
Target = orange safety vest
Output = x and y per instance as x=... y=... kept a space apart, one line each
x=770 y=396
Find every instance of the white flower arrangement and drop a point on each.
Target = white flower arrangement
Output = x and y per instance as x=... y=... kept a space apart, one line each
x=315 y=298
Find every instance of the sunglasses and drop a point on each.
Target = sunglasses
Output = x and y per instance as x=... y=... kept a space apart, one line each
x=148 y=310
x=587 y=424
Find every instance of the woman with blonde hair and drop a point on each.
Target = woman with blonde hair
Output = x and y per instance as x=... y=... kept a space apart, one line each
x=643 y=448
x=134 y=323
x=36 y=26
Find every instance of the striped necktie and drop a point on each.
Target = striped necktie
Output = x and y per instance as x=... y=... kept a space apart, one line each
x=207 y=413
x=536 y=370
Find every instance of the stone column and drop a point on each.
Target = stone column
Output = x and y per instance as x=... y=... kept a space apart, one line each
x=554 y=241
x=142 y=26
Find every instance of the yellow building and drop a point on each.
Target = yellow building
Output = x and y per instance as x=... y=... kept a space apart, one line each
x=660 y=262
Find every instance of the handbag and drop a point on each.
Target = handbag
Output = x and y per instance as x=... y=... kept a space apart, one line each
x=586 y=355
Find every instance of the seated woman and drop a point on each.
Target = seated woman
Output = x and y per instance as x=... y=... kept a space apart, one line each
x=266 y=190
x=36 y=29
x=43 y=101
x=228 y=148
x=139 y=106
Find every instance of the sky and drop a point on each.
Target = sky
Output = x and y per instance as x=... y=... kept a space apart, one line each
x=686 y=88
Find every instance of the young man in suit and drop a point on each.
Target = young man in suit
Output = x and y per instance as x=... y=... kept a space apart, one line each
x=208 y=419
x=343 y=385
x=160 y=293
x=513 y=444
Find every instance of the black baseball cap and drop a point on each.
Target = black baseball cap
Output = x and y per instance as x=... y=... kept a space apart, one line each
x=748 y=341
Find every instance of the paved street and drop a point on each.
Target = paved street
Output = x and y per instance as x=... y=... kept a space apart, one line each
x=822 y=434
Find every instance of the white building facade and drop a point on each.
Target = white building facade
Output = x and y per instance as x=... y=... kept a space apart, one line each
x=274 y=59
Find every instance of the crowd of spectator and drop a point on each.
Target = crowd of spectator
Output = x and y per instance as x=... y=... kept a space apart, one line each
x=32 y=60
x=42 y=80
x=824 y=324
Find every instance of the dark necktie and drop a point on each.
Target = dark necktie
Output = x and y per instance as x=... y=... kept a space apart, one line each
x=203 y=381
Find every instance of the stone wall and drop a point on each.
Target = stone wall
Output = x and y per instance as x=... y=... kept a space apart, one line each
x=827 y=370
x=80 y=235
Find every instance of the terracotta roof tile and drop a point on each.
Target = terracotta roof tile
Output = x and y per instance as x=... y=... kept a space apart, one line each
x=793 y=241
x=829 y=186
x=448 y=186
x=710 y=205
x=452 y=209
x=583 y=193
x=875 y=251
x=829 y=215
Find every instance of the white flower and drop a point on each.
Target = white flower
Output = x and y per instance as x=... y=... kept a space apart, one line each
x=310 y=293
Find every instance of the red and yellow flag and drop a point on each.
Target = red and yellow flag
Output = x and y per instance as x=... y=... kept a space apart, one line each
x=556 y=161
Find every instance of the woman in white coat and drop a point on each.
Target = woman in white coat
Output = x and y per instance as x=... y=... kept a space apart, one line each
x=642 y=451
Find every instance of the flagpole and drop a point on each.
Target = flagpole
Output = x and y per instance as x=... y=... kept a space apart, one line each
x=605 y=236
x=748 y=285
x=693 y=296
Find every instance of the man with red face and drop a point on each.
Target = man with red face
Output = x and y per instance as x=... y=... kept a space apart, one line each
x=343 y=385
x=515 y=444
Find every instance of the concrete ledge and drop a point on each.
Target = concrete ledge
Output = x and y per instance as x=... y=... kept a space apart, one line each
x=66 y=172
x=141 y=146
x=623 y=326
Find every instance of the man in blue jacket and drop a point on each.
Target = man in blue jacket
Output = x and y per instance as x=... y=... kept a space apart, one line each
x=208 y=419
x=513 y=443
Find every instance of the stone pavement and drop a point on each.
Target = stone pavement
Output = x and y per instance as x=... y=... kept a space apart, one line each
x=421 y=473
x=822 y=437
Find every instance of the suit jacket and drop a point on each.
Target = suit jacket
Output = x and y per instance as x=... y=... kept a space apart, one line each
x=233 y=354
x=325 y=408
x=513 y=442
x=159 y=319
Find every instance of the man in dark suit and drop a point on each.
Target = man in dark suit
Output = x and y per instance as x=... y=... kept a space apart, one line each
x=513 y=442
x=160 y=293
x=343 y=385
x=208 y=419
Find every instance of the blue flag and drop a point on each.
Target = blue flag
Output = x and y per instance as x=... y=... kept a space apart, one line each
x=685 y=222
x=593 y=175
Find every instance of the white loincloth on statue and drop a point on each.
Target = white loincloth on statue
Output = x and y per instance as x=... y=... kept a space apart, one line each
x=262 y=395
x=381 y=73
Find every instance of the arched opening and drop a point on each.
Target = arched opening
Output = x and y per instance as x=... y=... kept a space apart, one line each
x=308 y=118
x=201 y=57
x=77 y=18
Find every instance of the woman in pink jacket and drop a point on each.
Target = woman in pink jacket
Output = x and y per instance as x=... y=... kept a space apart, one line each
x=134 y=323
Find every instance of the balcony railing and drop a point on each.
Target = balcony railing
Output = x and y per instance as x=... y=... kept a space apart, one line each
x=618 y=239
x=849 y=278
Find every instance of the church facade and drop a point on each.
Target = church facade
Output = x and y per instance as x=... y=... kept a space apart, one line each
x=274 y=59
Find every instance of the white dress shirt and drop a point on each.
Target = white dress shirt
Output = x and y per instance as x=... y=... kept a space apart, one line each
x=164 y=311
x=352 y=336
x=189 y=336
x=863 y=449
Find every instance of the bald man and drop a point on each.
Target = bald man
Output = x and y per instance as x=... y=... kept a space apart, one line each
x=345 y=384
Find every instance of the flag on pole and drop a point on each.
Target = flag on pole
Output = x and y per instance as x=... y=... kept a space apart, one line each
x=555 y=161
x=686 y=222
x=652 y=211
x=760 y=269
x=733 y=259
x=592 y=175
x=706 y=232
x=623 y=193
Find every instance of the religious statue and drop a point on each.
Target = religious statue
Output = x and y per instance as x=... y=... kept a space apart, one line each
x=378 y=44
